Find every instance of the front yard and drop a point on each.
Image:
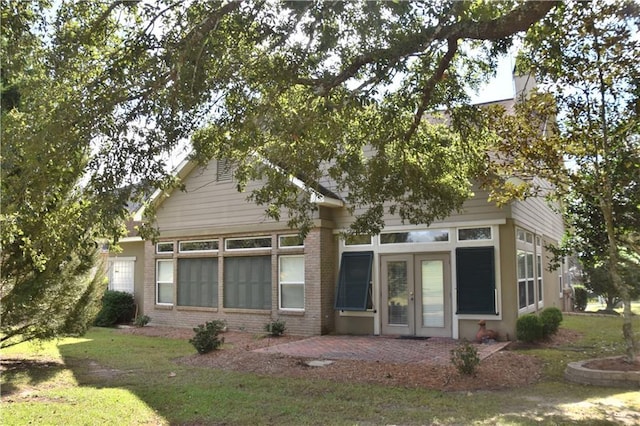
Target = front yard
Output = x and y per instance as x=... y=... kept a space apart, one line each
x=111 y=377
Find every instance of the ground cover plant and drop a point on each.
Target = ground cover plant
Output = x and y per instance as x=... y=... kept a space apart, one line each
x=111 y=376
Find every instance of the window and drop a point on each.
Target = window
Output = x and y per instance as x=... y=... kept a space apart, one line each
x=223 y=170
x=248 y=243
x=428 y=236
x=198 y=282
x=291 y=277
x=164 y=282
x=198 y=246
x=476 y=288
x=164 y=248
x=539 y=277
x=469 y=234
x=357 y=240
x=290 y=241
x=354 y=283
x=247 y=282
x=120 y=274
x=526 y=295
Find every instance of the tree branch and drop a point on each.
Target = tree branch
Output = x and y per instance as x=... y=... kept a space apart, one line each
x=519 y=19
x=427 y=90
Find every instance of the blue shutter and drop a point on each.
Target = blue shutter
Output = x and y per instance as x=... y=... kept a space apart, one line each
x=476 y=288
x=353 y=293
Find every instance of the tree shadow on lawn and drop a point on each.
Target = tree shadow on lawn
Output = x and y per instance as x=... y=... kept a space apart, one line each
x=155 y=385
x=35 y=371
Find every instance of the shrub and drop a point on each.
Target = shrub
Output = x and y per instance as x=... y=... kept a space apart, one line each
x=465 y=358
x=551 y=318
x=206 y=337
x=118 y=307
x=141 y=321
x=529 y=328
x=275 y=328
x=581 y=298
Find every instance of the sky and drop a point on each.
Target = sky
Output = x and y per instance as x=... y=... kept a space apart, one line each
x=501 y=86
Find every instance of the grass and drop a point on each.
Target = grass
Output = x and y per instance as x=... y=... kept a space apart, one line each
x=113 y=378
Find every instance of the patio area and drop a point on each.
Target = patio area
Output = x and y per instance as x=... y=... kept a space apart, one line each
x=434 y=350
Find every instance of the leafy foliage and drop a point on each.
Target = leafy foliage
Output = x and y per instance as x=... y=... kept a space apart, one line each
x=141 y=320
x=275 y=328
x=465 y=358
x=580 y=135
x=206 y=337
x=118 y=307
x=551 y=318
x=529 y=328
x=581 y=298
x=97 y=95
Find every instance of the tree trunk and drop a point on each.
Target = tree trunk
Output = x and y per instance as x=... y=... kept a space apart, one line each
x=627 y=326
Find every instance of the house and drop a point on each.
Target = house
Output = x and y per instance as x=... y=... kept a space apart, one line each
x=219 y=257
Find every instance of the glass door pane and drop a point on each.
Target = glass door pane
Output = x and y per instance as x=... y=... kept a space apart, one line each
x=398 y=296
x=432 y=293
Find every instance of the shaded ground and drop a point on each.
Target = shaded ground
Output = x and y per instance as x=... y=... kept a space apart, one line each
x=504 y=369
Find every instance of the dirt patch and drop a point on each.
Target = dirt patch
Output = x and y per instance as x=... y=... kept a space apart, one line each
x=502 y=370
x=618 y=363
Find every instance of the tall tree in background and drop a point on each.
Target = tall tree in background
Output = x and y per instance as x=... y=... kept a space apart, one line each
x=96 y=94
x=585 y=55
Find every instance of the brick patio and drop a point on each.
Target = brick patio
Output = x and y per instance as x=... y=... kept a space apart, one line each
x=435 y=350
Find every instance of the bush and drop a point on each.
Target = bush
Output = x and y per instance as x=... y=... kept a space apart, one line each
x=465 y=358
x=581 y=298
x=551 y=319
x=275 y=328
x=141 y=321
x=118 y=307
x=529 y=328
x=206 y=337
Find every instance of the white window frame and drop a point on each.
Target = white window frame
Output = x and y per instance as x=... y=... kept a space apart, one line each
x=281 y=237
x=474 y=227
x=165 y=243
x=182 y=251
x=264 y=237
x=289 y=283
x=346 y=243
x=172 y=282
x=110 y=265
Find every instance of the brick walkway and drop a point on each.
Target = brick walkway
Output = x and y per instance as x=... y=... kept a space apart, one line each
x=435 y=350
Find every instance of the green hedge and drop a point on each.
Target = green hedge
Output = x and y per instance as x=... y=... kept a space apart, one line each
x=118 y=307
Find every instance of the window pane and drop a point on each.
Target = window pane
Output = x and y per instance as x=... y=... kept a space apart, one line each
x=530 y=294
x=398 y=303
x=432 y=293
x=291 y=241
x=165 y=293
x=248 y=243
x=292 y=296
x=354 y=282
x=520 y=235
x=198 y=282
x=522 y=294
x=357 y=240
x=429 y=236
x=291 y=269
x=522 y=265
x=164 y=248
x=529 y=237
x=165 y=271
x=247 y=282
x=529 y=265
x=539 y=290
x=474 y=234
x=209 y=245
x=121 y=275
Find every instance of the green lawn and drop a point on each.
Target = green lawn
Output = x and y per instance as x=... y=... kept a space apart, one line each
x=113 y=378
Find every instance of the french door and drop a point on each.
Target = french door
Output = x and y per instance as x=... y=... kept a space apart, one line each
x=416 y=294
